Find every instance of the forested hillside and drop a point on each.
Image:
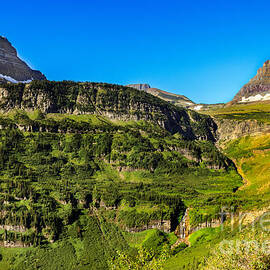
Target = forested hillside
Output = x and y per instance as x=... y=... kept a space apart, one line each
x=79 y=174
x=113 y=101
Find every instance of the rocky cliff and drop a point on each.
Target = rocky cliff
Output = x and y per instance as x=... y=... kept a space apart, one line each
x=113 y=101
x=140 y=86
x=229 y=129
x=12 y=68
x=258 y=88
x=185 y=229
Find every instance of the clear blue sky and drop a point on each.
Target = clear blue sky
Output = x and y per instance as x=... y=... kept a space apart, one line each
x=204 y=49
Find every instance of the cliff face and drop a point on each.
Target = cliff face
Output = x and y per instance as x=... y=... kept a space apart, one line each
x=184 y=229
x=233 y=129
x=113 y=101
x=258 y=88
x=12 y=68
x=140 y=86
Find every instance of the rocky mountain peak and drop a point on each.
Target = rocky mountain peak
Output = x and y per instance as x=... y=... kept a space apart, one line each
x=263 y=73
x=12 y=68
x=6 y=45
x=258 y=88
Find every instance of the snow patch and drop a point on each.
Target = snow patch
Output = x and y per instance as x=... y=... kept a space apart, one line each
x=258 y=97
x=198 y=107
x=28 y=81
x=10 y=79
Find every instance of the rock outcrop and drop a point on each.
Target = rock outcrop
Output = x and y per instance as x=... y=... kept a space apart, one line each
x=12 y=68
x=257 y=89
x=184 y=229
x=162 y=225
x=229 y=129
x=140 y=86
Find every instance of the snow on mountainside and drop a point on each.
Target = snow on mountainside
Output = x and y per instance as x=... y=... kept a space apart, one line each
x=10 y=79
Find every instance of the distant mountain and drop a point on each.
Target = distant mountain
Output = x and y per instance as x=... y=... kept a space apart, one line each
x=257 y=89
x=175 y=99
x=12 y=68
x=140 y=86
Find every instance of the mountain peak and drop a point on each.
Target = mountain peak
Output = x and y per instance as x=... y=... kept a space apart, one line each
x=263 y=73
x=12 y=68
x=258 y=88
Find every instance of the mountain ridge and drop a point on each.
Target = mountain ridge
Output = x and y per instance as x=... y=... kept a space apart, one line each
x=113 y=101
x=179 y=100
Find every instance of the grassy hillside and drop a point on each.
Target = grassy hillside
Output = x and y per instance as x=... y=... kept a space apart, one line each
x=242 y=246
x=246 y=111
x=252 y=156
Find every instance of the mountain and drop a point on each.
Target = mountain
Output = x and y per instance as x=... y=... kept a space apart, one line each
x=113 y=101
x=101 y=176
x=175 y=99
x=84 y=167
x=12 y=68
x=257 y=89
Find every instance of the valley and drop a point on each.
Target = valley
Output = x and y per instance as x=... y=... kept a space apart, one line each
x=104 y=176
x=122 y=175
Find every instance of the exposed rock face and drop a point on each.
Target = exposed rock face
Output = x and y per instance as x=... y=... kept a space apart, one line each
x=233 y=129
x=12 y=68
x=258 y=88
x=184 y=229
x=175 y=99
x=162 y=225
x=140 y=86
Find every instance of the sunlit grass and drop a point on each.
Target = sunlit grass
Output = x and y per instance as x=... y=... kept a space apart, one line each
x=248 y=111
x=252 y=156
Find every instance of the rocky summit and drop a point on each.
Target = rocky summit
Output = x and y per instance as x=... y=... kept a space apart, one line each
x=12 y=68
x=257 y=89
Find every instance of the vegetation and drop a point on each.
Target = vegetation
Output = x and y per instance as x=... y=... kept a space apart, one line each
x=82 y=191
x=246 y=242
x=251 y=154
x=72 y=184
x=144 y=259
x=115 y=101
x=245 y=111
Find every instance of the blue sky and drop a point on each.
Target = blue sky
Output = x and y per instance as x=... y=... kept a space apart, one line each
x=205 y=50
